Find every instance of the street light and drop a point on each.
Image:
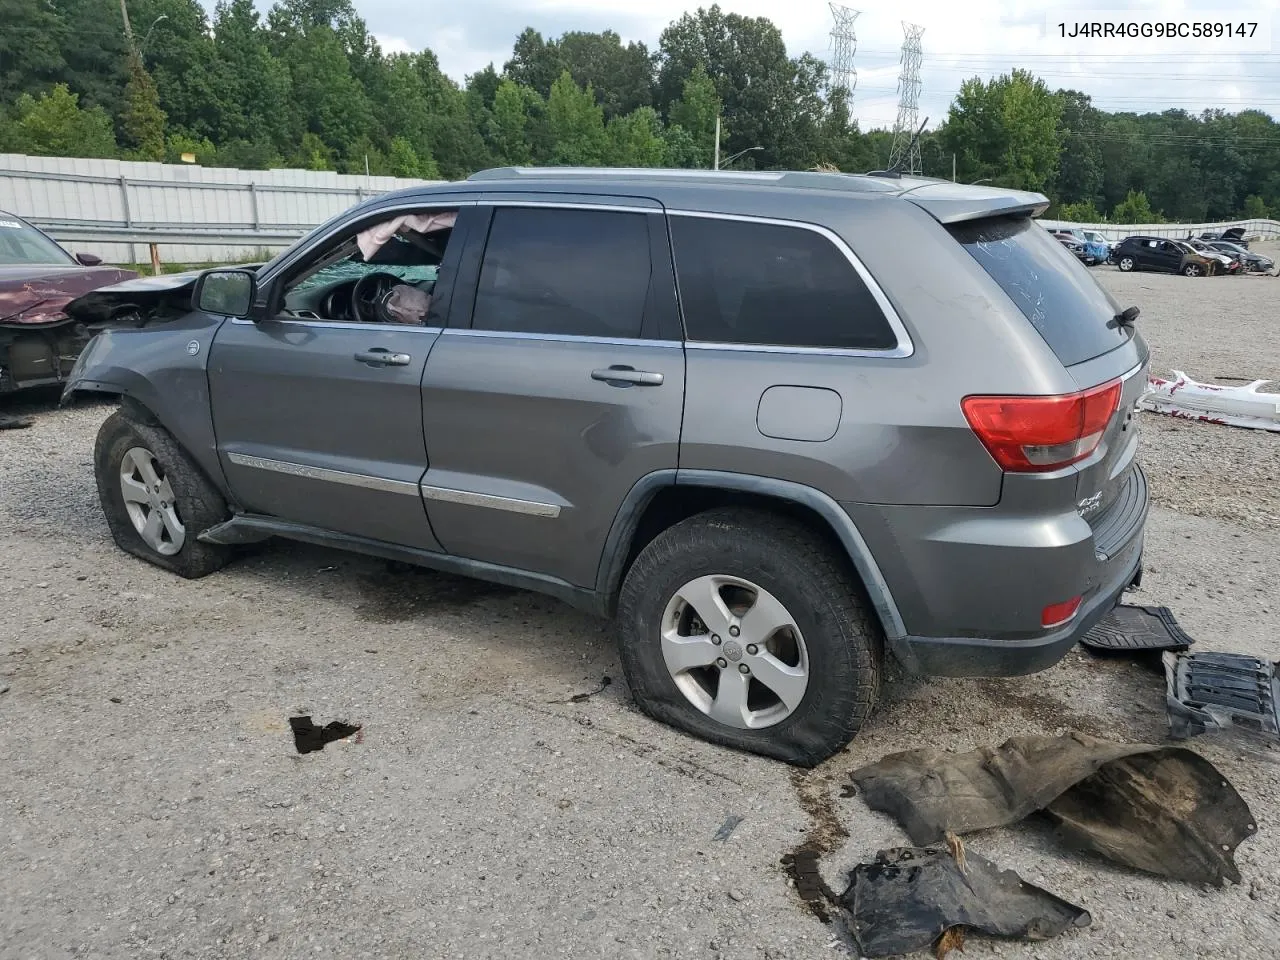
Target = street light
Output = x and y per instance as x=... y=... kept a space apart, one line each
x=724 y=163
x=143 y=48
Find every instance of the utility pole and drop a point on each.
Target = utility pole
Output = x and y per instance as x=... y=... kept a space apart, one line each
x=717 y=160
x=128 y=29
x=953 y=168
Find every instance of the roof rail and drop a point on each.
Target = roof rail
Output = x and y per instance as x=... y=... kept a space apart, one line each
x=516 y=173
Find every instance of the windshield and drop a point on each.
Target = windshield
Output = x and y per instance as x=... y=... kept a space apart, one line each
x=1050 y=286
x=22 y=245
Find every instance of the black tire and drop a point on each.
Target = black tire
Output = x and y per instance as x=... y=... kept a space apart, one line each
x=197 y=502
x=1191 y=270
x=1125 y=263
x=818 y=587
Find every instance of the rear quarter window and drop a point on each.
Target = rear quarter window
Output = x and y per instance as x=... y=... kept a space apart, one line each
x=766 y=284
x=1048 y=284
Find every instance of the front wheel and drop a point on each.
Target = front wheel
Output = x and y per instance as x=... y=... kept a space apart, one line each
x=1126 y=264
x=155 y=498
x=1192 y=270
x=748 y=630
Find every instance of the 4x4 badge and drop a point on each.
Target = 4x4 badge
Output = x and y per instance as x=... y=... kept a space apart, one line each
x=1089 y=504
x=193 y=347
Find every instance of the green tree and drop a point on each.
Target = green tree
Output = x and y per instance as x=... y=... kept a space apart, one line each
x=621 y=77
x=636 y=139
x=1135 y=208
x=55 y=125
x=141 y=119
x=1084 y=212
x=177 y=144
x=405 y=162
x=534 y=63
x=1255 y=208
x=1005 y=130
x=513 y=110
x=31 y=40
x=1080 y=167
x=576 y=125
x=695 y=114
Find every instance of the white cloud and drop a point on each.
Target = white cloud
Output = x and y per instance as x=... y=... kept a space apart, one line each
x=391 y=44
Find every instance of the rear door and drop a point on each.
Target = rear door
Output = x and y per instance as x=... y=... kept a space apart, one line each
x=559 y=387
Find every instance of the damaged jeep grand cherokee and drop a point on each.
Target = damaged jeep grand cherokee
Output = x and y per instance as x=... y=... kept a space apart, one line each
x=722 y=408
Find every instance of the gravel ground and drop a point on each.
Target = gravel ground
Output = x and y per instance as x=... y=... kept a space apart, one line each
x=153 y=805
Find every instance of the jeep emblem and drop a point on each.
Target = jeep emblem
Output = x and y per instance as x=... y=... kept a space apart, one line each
x=733 y=651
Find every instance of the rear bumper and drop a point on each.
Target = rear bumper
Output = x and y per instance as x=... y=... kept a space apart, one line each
x=969 y=657
x=971 y=584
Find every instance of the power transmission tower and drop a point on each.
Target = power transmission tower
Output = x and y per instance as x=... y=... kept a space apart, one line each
x=904 y=129
x=843 y=43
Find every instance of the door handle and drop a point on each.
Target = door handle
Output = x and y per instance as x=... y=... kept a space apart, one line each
x=622 y=376
x=382 y=357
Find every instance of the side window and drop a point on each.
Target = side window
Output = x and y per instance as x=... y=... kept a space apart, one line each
x=385 y=273
x=562 y=271
x=771 y=285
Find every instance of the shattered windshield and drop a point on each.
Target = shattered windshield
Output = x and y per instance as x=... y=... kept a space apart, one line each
x=1049 y=285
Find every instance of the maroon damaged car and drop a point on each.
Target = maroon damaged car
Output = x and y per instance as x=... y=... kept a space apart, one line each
x=39 y=343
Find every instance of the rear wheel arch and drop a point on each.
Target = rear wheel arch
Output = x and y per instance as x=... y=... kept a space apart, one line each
x=661 y=500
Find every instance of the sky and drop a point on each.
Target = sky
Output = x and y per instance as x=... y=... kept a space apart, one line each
x=982 y=37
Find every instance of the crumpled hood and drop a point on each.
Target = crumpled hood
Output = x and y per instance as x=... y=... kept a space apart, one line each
x=33 y=294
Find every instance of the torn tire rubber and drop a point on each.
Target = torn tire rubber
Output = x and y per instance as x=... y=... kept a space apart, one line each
x=812 y=581
x=196 y=503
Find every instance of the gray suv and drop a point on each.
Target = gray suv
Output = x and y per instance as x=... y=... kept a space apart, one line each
x=773 y=423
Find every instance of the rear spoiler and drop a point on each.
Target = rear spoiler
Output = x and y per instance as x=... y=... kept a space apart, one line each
x=949 y=202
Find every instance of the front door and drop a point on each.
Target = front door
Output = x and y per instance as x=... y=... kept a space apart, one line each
x=317 y=405
x=566 y=388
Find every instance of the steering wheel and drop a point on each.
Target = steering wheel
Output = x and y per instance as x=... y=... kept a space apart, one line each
x=367 y=292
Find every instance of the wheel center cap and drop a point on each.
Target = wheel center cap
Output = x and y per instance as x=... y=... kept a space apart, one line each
x=733 y=651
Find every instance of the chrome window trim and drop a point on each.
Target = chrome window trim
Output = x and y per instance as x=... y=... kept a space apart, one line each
x=905 y=347
x=560 y=337
x=573 y=205
x=468 y=498
x=362 y=480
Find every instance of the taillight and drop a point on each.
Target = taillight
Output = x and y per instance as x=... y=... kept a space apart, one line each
x=1039 y=434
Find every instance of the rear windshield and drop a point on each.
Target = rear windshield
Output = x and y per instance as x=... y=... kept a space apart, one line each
x=1051 y=287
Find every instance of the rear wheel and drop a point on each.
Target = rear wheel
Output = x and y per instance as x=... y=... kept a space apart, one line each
x=155 y=498
x=747 y=630
x=1192 y=270
x=1125 y=263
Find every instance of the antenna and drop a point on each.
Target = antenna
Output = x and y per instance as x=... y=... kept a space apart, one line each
x=844 y=41
x=905 y=154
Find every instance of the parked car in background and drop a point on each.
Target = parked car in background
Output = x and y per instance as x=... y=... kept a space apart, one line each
x=39 y=343
x=1097 y=248
x=1231 y=235
x=657 y=398
x=1253 y=262
x=1228 y=265
x=1089 y=254
x=1159 y=253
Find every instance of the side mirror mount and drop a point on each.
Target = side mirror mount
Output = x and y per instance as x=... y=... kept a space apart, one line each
x=88 y=259
x=228 y=293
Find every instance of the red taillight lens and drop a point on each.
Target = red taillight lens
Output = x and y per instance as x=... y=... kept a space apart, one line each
x=1038 y=434
x=1056 y=614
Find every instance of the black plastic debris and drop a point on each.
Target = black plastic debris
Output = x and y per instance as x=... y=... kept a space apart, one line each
x=1128 y=629
x=910 y=898
x=307 y=737
x=15 y=423
x=802 y=866
x=1164 y=810
x=1222 y=691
